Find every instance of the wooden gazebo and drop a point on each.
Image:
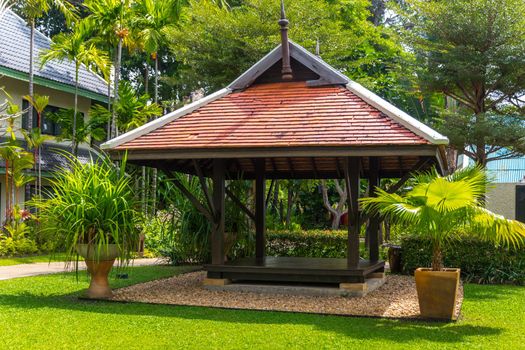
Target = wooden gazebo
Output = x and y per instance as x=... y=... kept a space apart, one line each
x=290 y=116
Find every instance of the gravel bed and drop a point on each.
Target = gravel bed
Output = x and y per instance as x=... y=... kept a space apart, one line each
x=397 y=298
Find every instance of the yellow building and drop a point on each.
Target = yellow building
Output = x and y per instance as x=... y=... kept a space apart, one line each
x=56 y=79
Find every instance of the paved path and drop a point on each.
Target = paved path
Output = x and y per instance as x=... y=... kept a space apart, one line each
x=25 y=270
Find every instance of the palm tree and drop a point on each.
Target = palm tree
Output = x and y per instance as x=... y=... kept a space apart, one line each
x=32 y=10
x=16 y=159
x=154 y=21
x=110 y=20
x=438 y=207
x=77 y=47
x=35 y=138
x=132 y=110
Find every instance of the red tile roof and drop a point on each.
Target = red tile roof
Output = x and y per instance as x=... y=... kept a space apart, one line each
x=280 y=114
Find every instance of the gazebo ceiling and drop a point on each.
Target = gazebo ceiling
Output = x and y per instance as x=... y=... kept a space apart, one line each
x=296 y=167
x=304 y=126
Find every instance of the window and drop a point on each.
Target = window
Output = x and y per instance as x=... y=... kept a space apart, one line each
x=48 y=126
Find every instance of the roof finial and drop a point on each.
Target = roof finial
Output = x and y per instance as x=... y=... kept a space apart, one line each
x=317 y=48
x=285 y=46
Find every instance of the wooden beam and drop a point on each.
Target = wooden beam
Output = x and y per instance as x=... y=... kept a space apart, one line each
x=314 y=166
x=217 y=234
x=279 y=152
x=204 y=186
x=240 y=204
x=290 y=165
x=274 y=165
x=418 y=166
x=196 y=203
x=340 y=174
x=260 y=208
x=374 y=221
x=352 y=170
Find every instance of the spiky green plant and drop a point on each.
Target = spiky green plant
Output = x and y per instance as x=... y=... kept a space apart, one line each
x=91 y=203
x=438 y=207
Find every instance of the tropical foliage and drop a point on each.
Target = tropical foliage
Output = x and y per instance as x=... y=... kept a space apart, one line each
x=480 y=261
x=76 y=47
x=472 y=51
x=91 y=203
x=438 y=207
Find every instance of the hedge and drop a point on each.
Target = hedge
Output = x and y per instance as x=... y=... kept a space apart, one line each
x=480 y=261
x=311 y=244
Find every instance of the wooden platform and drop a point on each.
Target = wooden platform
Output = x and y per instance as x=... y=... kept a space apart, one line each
x=293 y=269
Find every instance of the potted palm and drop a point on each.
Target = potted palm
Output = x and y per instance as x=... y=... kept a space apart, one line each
x=439 y=208
x=91 y=212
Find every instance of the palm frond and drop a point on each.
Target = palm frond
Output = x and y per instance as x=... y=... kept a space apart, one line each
x=493 y=227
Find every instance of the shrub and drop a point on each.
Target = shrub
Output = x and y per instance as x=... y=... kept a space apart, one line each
x=480 y=261
x=15 y=235
x=309 y=243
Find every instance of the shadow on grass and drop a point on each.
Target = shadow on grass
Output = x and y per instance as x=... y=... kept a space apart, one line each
x=477 y=292
x=356 y=328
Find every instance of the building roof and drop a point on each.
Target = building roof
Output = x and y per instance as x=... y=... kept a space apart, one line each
x=507 y=170
x=53 y=156
x=280 y=115
x=278 y=100
x=304 y=126
x=60 y=75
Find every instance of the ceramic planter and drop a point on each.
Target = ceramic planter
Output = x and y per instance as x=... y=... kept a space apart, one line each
x=437 y=292
x=99 y=264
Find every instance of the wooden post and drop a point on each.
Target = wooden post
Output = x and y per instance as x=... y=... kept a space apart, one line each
x=374 y=221
x=260 y=209
x=352 y=172
x=217 y=234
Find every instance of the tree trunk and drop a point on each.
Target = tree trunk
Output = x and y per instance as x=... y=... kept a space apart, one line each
x=156 y=92
x=38 y=160
x=437 y=257
x=39 y=170
x=114 y=128
x=143 y=189
x=13 y=188
x=31 y=73
x=337 y=212
x=387 y=230
x=7 y=189
x=154 y=172
x=146 y=79
x=74 y=136
x=108 y=127
x=289 y=207
x=275 y=200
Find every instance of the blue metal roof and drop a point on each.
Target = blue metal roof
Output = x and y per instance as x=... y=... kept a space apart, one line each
x=14 y=55
x=507 y=170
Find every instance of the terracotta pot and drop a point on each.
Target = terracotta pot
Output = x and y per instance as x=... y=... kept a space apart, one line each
x=437 y=292
x=91 y=252
x=99 y=264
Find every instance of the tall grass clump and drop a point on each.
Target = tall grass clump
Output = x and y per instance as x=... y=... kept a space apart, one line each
x=91 y=203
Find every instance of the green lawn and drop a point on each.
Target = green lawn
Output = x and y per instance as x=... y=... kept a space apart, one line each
x=44 y=313
x=7 y=261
